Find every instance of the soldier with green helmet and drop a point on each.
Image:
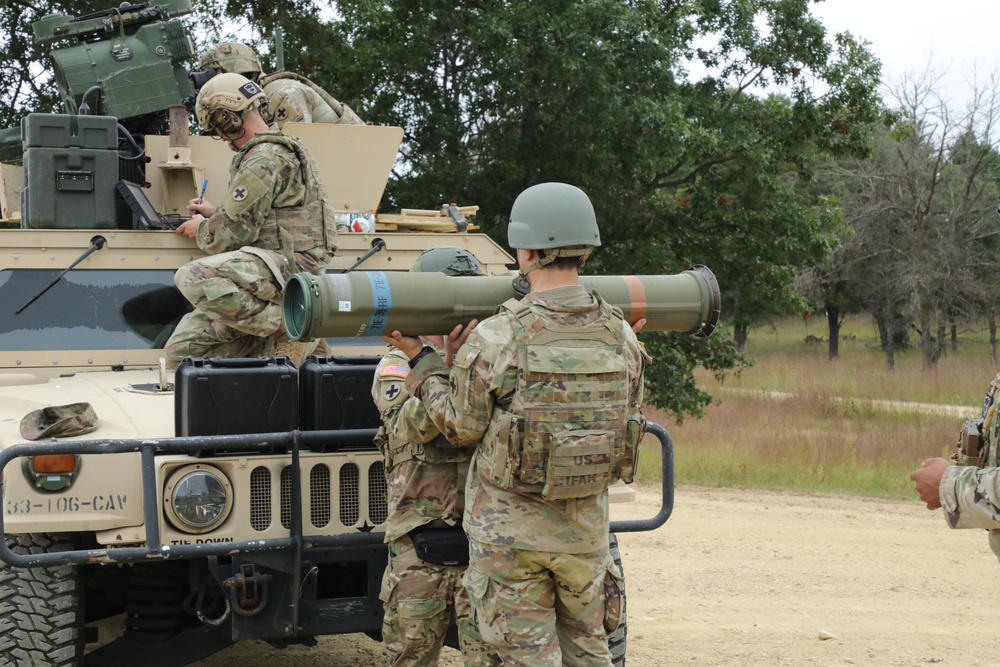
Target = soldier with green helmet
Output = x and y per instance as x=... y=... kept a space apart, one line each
x=276 y=220
x=426 y=477
x=550 y=388
x=290 y=97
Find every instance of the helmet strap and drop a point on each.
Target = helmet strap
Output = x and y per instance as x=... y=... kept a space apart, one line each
x=550 y=255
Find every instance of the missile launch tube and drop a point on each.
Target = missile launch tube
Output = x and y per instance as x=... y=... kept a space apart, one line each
x=374 y=303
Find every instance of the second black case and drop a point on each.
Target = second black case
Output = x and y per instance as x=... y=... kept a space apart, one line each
x=335 y=393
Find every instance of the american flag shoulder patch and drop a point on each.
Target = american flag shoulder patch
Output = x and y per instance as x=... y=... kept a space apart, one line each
x=394 y=371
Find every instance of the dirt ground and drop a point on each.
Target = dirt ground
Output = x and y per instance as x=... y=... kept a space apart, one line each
x=760 y=579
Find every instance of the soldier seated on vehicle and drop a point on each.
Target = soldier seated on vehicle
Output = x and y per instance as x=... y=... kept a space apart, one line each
x=276 y=220
x=291 y=97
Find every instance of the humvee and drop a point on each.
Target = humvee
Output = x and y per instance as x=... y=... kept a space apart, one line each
x=188 y=543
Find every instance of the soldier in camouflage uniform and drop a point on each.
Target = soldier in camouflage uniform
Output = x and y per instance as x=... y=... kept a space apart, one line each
x=290 y=97
x=970 y=491
x=275 y=221
x=426 y=476
x=552 y=387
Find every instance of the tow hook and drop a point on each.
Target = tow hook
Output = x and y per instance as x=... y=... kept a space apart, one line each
x=248 y=590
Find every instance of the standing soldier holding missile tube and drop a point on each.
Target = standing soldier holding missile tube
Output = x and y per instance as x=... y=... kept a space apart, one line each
x=428 y=551
x=552 y=386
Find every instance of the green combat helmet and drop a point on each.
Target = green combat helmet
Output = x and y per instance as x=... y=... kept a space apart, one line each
x=223 y=101
x=448 y=260
x=232 y=57
x=555 y=218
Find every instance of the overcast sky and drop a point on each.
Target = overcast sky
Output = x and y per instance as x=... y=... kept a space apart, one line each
x=953 y=35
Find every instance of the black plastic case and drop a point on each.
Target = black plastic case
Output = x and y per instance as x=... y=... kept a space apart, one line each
x=335 y=393
x=235 y=396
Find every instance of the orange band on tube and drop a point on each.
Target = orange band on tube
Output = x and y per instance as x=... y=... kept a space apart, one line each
x=637 y=297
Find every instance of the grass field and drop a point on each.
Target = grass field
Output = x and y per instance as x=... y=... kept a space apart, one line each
x=798 y=421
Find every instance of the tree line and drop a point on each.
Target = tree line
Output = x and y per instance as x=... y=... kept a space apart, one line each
x=739 y=134
x=919 y=250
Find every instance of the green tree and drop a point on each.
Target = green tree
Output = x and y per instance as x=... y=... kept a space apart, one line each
x=495 y=96
x=938 y=183
x=921 y=253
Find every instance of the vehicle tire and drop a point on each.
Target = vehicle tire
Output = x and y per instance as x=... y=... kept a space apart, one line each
x=41 y=608
x=616 y=640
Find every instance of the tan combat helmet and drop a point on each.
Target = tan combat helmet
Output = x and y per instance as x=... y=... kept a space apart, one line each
x=232 y=57
x=223 y=102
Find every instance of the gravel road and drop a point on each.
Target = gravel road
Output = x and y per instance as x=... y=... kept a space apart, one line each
x=759 y=579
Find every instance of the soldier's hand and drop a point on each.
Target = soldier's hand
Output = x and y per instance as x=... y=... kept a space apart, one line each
x=203 y=208
x=928 y=481
x=189 y=228
x=456 y=339
x=408 y=345
x=639 y=324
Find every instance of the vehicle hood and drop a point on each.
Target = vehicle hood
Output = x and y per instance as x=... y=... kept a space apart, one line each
x=128 y=404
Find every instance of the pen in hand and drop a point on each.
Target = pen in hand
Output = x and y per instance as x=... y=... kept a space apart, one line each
x=204 y=186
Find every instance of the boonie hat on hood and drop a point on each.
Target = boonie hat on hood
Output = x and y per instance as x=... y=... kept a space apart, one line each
x=56 y=420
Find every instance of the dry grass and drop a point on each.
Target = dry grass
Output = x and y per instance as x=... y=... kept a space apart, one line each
x=783 y=361
x=824 y=436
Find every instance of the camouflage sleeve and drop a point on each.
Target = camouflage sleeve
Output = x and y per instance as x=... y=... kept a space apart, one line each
x=289 y=106
x=484 y=371
x=970 y=497
x=262 y=176
x=403 y=415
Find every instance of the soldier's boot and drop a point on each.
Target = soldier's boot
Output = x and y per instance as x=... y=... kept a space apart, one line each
x=284 y=346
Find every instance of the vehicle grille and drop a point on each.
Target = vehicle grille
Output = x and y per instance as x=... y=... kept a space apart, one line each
x=319 y=492
x=260 y=498
x=349 y=506
x=378 y=494
x=320 y=486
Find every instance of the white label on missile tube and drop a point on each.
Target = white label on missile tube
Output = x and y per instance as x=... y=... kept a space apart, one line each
x=345 y=306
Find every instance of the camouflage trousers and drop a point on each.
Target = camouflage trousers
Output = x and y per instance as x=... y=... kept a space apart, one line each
x=237 y=302
x=543 y=609
x=419 y=599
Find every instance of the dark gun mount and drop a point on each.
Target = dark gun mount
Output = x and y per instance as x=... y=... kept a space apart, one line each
x=127 y=62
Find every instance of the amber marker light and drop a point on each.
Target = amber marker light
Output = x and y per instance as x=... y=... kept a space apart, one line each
x=51 y=472
x=54 y=464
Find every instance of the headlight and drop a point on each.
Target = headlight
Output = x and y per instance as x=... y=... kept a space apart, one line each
x=198 y=498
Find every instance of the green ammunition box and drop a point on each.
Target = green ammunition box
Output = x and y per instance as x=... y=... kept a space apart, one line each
x=72 y=167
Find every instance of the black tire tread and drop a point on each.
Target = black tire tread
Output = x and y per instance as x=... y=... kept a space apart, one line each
x=41 y=615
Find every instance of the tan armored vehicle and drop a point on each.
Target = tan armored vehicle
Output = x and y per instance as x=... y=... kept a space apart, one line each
x=172 y=515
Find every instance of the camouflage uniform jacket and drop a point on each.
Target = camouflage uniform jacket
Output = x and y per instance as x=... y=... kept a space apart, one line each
x=276 y=202
x=484 y=377
x=420 y=490
x=294 y=98
x=970 y=495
